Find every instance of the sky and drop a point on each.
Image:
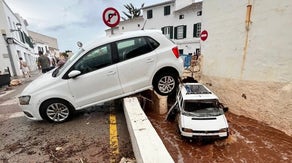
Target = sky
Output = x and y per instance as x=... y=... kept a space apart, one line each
x=70 y=21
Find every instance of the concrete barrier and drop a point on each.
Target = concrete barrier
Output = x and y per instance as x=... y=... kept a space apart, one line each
x=146 y=143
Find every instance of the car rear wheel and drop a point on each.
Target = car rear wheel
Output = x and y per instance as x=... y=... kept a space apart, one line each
x=165 y=83
x=56 y=111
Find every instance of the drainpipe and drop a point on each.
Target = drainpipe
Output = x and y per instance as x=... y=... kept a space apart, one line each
x=10 y=54
x=247 y=27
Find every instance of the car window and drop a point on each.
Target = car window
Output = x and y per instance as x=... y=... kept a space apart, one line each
x=95 y=59
x=133 y=47
x=154 y=44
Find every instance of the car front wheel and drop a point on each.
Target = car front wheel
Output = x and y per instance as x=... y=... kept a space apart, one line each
x=56 y=111
x=165 y=84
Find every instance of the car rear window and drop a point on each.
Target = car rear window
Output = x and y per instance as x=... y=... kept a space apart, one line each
x=134 y=47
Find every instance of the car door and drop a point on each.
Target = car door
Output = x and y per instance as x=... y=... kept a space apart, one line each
x=98 y=80
x=137 y=63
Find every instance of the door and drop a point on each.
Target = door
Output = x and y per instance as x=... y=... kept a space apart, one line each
x=98 y=80
x=137 y=63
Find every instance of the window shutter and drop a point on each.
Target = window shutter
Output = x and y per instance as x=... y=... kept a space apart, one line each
x=175 y=32
x=171 y=32
x=185 y=31
x=195 y=30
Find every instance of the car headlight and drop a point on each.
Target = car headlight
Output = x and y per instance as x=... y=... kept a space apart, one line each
x=24 y=100
x=187 y=130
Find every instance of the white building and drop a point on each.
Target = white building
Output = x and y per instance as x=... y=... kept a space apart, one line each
x=14 y=42
x=179 y=20
x=46 y=44
x=247 y=57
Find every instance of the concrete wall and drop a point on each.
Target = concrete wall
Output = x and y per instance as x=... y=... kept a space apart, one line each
x=252 y=59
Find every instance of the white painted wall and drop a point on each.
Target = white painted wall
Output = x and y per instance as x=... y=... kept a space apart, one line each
x=267 y=54
x=8 y=21
x=250 y=68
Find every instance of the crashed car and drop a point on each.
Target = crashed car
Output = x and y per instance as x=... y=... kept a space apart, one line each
x=199 y=113
x=111 y=68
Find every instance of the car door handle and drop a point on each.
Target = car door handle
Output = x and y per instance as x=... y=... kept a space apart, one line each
x=149 y=60
x=111 y=73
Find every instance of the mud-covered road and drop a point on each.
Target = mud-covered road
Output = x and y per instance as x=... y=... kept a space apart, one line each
x=250 y=141
x=85 y=138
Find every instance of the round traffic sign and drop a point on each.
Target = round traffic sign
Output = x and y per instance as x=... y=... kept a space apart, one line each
x=111 y=17
x=204 y=35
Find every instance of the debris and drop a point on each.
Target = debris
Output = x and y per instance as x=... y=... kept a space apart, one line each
x=58 y=148
x=15 y=82
x=127 y=160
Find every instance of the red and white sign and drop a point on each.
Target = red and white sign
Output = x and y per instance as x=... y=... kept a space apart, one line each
x=204 y=35
x=111 y=17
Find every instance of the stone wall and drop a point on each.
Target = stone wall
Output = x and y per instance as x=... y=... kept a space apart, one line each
x=268 y=102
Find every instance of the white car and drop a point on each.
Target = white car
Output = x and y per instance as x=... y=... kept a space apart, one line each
x=112 y=68
x=200 y=114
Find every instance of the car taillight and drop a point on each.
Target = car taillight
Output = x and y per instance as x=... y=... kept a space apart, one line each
x=175 y=52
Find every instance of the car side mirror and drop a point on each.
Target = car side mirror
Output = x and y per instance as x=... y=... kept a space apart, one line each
x=74 y=74
x=225 y=109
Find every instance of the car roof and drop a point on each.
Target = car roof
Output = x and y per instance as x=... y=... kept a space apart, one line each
x=121 y=36
x=196 y=91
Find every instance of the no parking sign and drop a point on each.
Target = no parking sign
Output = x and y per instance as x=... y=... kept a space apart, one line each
x=111 y=17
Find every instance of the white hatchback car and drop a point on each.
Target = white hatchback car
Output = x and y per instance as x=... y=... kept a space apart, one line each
x=200 y=114
x=114 y=67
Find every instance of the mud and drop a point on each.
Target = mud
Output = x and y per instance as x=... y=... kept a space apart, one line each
x=83 y=139
x=249 y=141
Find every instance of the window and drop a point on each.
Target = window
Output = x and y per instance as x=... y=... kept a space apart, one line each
x=198 y=51
x=40 y=49
x=199 y=13
x=95 y=59
x=149 y=14
x=197 y=30
x=22 y=36
x=166 y=10
x=168 y=31
x=180 y=32
x=181 y=16
x=134 y=47
x=181 y=51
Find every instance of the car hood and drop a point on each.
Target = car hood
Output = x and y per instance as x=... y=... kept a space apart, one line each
x=204 y=123
x=41 y=83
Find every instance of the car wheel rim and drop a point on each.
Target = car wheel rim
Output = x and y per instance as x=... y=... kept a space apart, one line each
x=58 y=112
x=166 y=84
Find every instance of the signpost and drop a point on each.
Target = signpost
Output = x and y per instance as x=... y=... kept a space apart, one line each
x=111 y=17
x=204 y=35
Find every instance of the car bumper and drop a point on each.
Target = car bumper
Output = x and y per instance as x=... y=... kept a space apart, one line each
x=31 y=112
x=205 y=135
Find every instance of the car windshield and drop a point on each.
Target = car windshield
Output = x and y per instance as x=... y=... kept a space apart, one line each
x=202 y=108
x=59 y=70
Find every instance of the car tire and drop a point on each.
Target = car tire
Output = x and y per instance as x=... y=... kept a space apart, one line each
x=56 y=110
x=165 y=83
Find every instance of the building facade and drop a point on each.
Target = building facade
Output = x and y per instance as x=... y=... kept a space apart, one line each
x=14 y=42
x=47 y=44
x=179 y=20
x=248 y=59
